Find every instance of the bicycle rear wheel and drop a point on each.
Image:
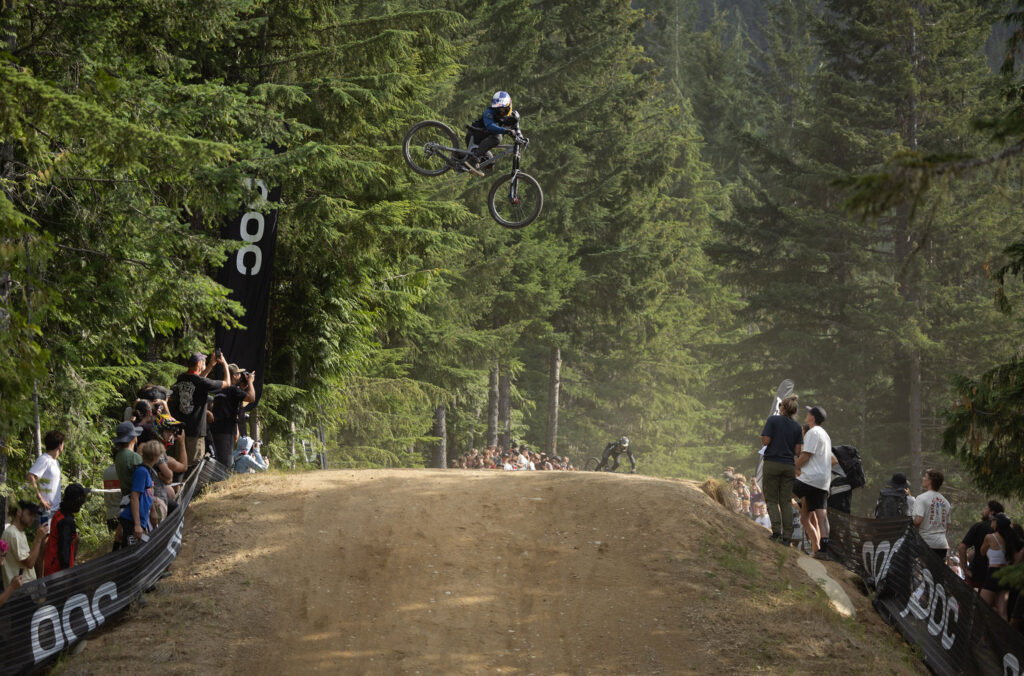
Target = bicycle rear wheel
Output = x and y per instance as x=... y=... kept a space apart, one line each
x=420 y=147
x=515 y=203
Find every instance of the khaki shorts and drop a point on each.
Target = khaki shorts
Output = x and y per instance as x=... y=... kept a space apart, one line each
x=195 y=449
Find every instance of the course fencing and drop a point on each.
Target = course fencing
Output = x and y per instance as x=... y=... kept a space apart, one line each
x=928 y=603
x=51 y=614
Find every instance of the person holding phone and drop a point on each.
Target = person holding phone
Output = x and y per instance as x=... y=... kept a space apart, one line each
x=21 y=560
x=189 y=396
x=15 y=581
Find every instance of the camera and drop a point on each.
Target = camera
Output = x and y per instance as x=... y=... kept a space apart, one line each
x=218 y=353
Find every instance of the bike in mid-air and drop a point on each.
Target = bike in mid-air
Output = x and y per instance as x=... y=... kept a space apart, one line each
x=431 y=148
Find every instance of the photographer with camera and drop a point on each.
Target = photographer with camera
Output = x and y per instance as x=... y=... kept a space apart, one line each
x=226 y=407
x=188 y=399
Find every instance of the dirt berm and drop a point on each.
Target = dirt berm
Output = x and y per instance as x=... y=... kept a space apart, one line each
x=484 y=572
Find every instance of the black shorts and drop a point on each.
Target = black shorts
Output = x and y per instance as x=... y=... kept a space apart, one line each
x=814 y=498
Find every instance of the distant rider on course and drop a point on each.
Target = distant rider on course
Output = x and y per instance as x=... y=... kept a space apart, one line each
x=486 y=132
x=614 y=450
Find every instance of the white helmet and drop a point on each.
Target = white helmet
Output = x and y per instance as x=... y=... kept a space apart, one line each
x=624 y=441
x=501 y=99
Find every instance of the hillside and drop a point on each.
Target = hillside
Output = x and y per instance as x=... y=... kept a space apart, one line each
x=449 y=572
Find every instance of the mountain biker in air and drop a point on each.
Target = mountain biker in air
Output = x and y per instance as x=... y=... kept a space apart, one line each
x=498 y=119
x=614 y=450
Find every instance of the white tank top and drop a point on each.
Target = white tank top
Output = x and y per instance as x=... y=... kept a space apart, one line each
x=996 y=557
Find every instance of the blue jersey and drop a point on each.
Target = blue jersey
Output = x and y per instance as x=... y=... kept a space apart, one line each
x=491 y=123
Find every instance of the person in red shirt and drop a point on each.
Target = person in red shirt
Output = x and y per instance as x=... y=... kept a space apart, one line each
x=63 y=542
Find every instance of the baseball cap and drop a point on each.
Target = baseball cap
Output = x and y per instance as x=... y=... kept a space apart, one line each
x=126 y=431
x=75 y=495
x=196 y=357
x=233 y=368
x=818 y=412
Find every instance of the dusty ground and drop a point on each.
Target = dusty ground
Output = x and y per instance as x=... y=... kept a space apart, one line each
x=466 y=572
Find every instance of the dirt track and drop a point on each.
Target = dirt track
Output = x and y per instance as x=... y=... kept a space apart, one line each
x=465 y=572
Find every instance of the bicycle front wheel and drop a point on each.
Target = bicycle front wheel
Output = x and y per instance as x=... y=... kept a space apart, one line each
x=591 y=464
x=515 y=200
x=421 y=147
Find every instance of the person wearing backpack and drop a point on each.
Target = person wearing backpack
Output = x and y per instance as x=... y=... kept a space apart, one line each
x=894 y=500
x=189 y=395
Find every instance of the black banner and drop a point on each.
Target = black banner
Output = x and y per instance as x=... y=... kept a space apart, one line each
x=957 y=632
x=247 y=274
x=49 y=615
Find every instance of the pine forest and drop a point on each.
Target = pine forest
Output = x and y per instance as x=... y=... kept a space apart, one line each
x=735 y=193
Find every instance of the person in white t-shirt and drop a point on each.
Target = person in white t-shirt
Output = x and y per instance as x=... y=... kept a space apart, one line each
x=44 y=476
x=931 y=513
x=761 y=515
x=813 y=478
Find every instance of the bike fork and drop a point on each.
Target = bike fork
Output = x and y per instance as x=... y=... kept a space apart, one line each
x=513 y=189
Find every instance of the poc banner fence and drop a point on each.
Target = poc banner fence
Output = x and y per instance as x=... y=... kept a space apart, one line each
x=49 y=615
x=928 y=603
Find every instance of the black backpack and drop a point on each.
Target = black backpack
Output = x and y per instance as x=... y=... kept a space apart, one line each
x=849 y=460
x=892 y=503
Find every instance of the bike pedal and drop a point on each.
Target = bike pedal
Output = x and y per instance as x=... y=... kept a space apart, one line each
x=473 y=170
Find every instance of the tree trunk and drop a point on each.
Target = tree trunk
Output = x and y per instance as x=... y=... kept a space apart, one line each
x=504 y=411
x=440 y=459
x=37 y=436
x=916 y=459
x=554 y=383
x=492 y=408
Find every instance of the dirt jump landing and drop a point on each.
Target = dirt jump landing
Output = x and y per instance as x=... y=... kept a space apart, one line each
x=465 y=572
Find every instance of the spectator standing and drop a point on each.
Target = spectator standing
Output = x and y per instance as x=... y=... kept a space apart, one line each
x=22 y=559
x=188 y=402
x=172 y=434
x=975 y=564
x=1001 y=547
x=45 y=474
x=931 y=513
x=126 y=460
x=62 y=544
x=161 y=475
x=135 y=517
x=15 y=581
x=813 y=477
x=783 y=441
x=226 y=405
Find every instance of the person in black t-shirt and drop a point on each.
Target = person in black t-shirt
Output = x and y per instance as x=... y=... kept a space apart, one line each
x=188 y=400
x=226 y=405
x=783 y=440
x=975 y=565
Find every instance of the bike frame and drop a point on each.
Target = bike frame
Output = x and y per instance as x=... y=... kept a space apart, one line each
x=457 y=155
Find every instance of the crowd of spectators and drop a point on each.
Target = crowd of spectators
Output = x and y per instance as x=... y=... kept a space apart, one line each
x=517 y=457
x=164 y=433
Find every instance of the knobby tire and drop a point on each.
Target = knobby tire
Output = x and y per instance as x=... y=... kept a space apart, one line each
x=419 y=135
x=513 y=216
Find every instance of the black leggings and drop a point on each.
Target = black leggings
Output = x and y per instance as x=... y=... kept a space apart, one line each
x=485 y=144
